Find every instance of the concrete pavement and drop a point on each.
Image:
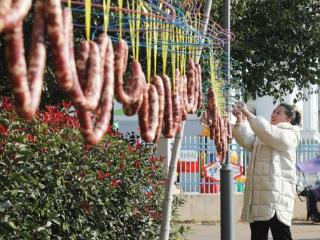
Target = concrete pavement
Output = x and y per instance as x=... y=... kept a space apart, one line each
x=303 y=230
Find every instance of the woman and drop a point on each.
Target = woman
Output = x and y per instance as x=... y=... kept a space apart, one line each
x=271 y=174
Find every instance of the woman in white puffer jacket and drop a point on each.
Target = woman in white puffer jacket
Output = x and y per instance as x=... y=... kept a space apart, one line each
x=271 y=174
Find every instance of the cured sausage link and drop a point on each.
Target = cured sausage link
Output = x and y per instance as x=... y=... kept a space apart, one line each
x=103 y=40
x=168 y=127
x=75 y=93
x=157 y=82
x=198 y=66
x=5 y=6
x=93 y=133
x=57 y=39
x=183 y=96
x=88 y=97
x=93 y=87
x=15 y=15
x=176 y=106
x=18 y=70
x=27 y=97
x=149 y=114
x=132 y=109
x=196 y=90
x=120 y=58
x=134 y=87
x=37 y=55
x=82 y=62
x=189 y=103
x=107 y=95
x=210 y=107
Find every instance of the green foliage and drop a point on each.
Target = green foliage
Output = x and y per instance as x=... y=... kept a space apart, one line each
x=52 y=186
x=277 y=46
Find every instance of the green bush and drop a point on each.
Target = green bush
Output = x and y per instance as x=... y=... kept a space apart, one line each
x=53 y=186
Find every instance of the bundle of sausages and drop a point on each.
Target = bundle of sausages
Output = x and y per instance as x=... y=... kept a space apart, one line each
x=94 y=76
x=89 y=81
x=220 y=128
x=161 y=108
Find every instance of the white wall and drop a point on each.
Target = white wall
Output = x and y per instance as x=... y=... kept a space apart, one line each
x=206 y=208
x=310 y=112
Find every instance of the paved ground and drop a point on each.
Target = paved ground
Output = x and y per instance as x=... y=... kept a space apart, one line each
x=300 y=231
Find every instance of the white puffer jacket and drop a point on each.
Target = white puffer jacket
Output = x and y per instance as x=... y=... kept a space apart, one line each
x=271 y=173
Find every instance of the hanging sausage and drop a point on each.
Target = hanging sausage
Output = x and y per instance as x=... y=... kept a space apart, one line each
x=149 y=114
x=60 y=32
x=94 y=127
x=59 y=46
x=132 y=91
x=157 y=82
x=176 y=106
x=168 y=127
x=27 y=82
x=198 y=66
x=189 y=100
x=12 y=13
x=183 y=96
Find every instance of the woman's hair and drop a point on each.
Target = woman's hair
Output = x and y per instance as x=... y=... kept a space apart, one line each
x=292 y=113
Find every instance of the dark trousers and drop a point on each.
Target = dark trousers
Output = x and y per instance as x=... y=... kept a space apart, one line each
x=260 y=229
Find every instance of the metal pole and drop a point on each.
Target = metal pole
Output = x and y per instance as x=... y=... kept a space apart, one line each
x=226 y=172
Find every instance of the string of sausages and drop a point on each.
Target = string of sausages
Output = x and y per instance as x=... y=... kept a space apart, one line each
x=219 y=126
x=96 y=74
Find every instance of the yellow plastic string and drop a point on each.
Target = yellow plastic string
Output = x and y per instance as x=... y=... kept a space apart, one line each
x=148 y=47
x=182 y=49
x=173 y=58
x=176 y=37
x=138 y=22
x=190 y=39
x=164 y=45
x=69 y=3
x=132 y=30
x=120 y=5
x=106 y=13
x=155 y=44
x=88 y=18
x=183 y=52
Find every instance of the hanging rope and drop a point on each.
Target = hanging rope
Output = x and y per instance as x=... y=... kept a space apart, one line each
x=88 y=18
x=106 y=13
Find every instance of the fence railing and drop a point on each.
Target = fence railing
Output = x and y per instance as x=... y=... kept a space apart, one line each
x=199 y=172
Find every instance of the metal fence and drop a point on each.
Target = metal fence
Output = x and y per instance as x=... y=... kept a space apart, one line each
x=199 y=172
